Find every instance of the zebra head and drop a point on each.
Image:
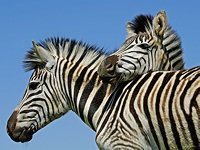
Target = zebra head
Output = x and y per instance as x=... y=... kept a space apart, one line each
x=43 y=99
x=151 y=45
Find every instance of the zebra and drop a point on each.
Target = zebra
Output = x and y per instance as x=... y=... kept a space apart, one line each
x=156 y=110
x=151 y=46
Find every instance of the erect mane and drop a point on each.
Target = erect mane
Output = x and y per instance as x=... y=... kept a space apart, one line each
x=171 y=41
x=63 y=47
x=141 y=23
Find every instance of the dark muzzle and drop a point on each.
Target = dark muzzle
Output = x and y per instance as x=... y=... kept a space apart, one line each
x=18 y=134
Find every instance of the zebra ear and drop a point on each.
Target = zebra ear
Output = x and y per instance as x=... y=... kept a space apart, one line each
x=44 y=56
x=130 y=29
x=160 y=23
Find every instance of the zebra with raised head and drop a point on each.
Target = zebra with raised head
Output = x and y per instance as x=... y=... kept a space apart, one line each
x=146 y=49
x=157 y=110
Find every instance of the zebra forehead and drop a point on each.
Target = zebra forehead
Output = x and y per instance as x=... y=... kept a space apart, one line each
x=62 y=47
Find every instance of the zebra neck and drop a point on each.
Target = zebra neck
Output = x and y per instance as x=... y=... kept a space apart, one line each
x=87 y=94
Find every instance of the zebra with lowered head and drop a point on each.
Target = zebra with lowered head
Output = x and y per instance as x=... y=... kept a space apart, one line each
x=146 y=49
x=157 y=110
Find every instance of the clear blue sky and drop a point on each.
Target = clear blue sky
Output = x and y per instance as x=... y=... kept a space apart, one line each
x=97 y=22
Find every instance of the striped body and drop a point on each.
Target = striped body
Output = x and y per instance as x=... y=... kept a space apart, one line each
x=158 y=110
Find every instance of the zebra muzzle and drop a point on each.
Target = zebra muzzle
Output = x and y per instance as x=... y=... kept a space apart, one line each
x=18 y=134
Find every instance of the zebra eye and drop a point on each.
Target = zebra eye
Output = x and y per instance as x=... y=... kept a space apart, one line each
x=33 y=85
x=144 y=46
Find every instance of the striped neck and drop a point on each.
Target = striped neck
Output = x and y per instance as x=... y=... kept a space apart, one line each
x=86 y=93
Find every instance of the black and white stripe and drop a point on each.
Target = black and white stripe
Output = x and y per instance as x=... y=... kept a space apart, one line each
x=157 y=110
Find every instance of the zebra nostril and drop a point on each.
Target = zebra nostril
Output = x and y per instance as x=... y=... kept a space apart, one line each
x=111 y=72
x=109 y=66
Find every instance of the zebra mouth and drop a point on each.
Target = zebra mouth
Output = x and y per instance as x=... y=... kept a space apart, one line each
x=21 y=135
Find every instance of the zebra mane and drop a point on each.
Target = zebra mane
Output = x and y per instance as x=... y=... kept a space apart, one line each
x=171 y=41
x=62 y=47
x=141 y=23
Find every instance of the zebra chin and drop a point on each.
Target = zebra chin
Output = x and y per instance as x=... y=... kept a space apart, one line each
x=19 y=133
